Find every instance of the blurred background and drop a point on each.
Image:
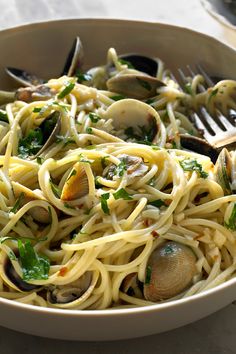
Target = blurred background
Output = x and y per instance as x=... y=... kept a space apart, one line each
x=187 y=13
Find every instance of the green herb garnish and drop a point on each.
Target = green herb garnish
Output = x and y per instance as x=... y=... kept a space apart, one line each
x=231 y=224
x=69 y=87
x=82 y=77
x=122 y=194
x=3 y=116
x=34 y=266
x=126 y=62
x=193 y=165
x=144 y=84
x=104 y=205
x=17 y=204
x=121 y=168
x=89 y=130
x=212 y=94
x=94 y=117
x=188 y=88
x=31 y=144
x=66 y=140
x=37 y=109
x=55 y=189
x=117 y=97
x=157 y=203
x=148 y=275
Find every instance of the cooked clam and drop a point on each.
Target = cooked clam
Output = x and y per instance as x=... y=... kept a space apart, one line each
x=136 y=118
x=141 y=63
x=223 y=169
x=170 y=271
x=12 y=278
x=135 y=167
x=76 y=291
x=76 y=185
x=34 y=93
x=134 y=85
x=75 y=58
x=199 y=145
x=39 y=213
x=24 y=78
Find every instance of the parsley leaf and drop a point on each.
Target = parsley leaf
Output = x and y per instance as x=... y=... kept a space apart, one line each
x=67 y=140
x=193 y=165
x=37 y=109
x=3 y=116
x=34 y=266
x=157 y=203
x=104 y=198
x=148 y=275
x=69 y=87
x=31 y=144
x=144 y=83
x=94 y=117
x=16 y=207
x=55 y=189
x=117 y=97
x=121 y=168
x=188 y=88
x=82 y=77
x=122 y=194
x=231 y=224
x=126 y=62
x=212 y=94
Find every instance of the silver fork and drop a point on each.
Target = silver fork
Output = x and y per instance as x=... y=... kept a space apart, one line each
x=220 y=130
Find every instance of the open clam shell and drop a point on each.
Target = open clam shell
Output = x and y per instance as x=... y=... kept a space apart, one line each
x=75 y=58
x=23 y=78
x=136 y=85
x=141 y=63
x=141 y=117
x=38 y=213
x=76 y=185
x=223 y=169
x=172 y=267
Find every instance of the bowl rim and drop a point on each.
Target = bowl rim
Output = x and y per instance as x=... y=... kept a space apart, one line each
x=113 y=311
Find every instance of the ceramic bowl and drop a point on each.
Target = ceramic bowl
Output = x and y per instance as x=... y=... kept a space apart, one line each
x=41 y=48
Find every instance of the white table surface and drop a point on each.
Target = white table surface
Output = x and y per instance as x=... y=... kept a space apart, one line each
x=212 y=335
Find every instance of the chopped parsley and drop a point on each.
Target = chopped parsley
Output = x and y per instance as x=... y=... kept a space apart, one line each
x=146 y=85
x=65 y=139
x=188 y=88
x=144 y=134
x=148 y=275
x=104 y=205
x=55 y=189
x=69 y=87
x=126 y=62
x=103 y=161
x=117 y=97
x=68 y=206
x=121 y=168
x=16 y=207
x=82 y=77
x=39 y=160
x=231 y=224
x=157 y=203
x=193 y=165
x=37 y=109
x=212 y=94
x=34 y=266
x=89 y=130
x=94 y=117
x=30 y=144
x=3 y=116
x=122 y=194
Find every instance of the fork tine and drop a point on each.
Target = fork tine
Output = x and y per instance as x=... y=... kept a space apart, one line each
x=200 y=126
x=207 y=78
x=224 y=120
x=210 y=121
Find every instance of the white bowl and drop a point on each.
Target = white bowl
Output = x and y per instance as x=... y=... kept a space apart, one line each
x=41 y=48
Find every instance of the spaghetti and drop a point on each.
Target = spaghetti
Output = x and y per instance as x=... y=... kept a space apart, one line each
x=80 y=217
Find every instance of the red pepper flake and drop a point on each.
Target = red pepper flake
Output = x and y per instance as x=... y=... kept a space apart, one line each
x=168 y=202
x=154 y=233
x=63 y=271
